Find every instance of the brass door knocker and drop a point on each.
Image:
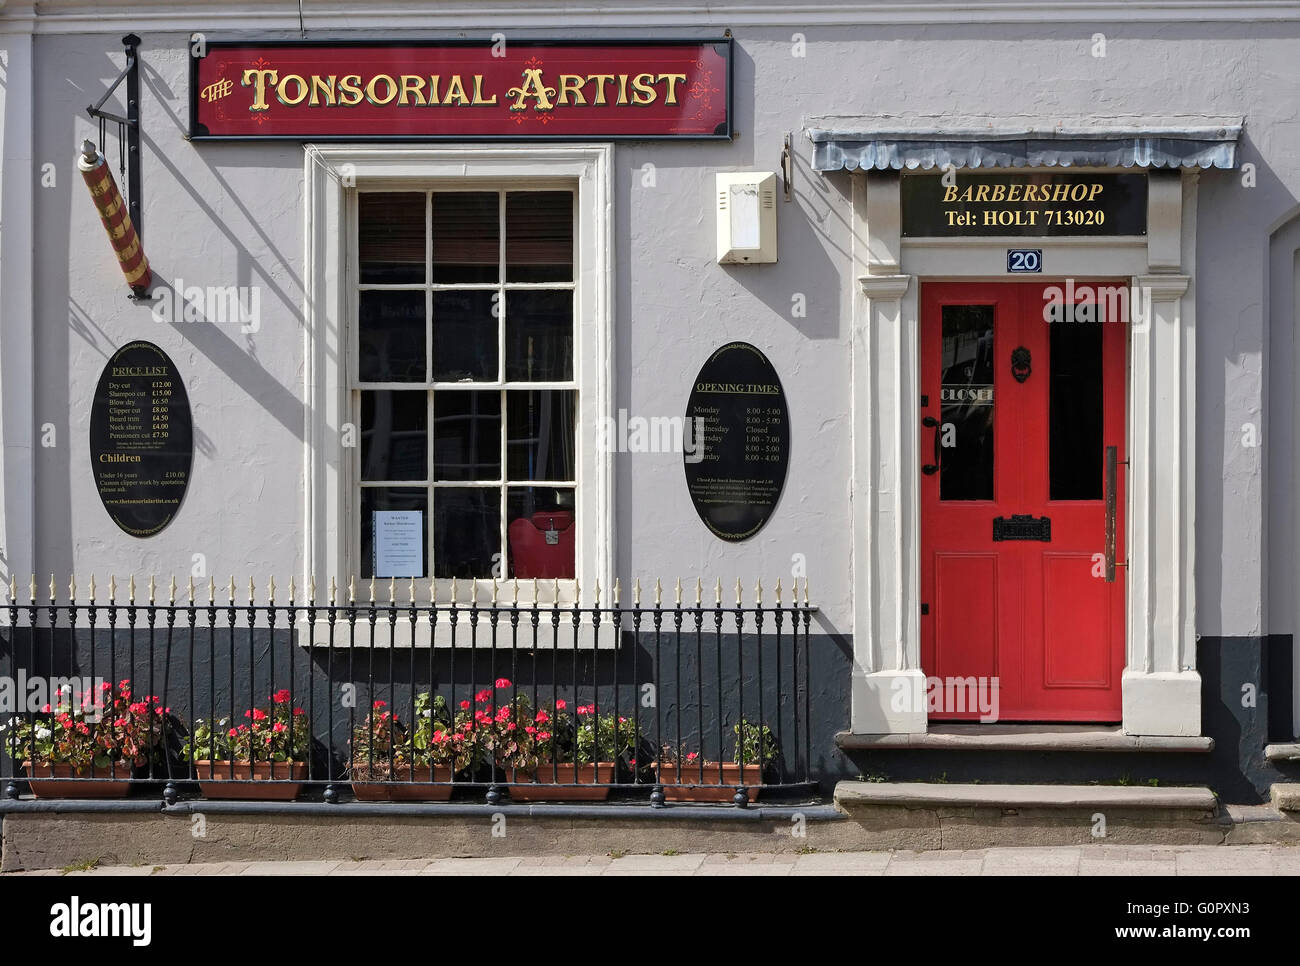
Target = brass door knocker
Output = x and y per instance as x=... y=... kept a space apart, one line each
x=1020 y=367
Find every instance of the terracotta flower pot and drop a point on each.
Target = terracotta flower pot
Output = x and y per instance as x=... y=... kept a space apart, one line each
x=83 y=786
x=548 y=784
x=397 y=785
x=253 y=781
x=677 y=781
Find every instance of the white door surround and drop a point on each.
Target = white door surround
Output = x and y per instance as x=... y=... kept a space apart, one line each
x=1161 y=687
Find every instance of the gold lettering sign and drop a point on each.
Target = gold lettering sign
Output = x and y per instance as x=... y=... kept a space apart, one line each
x=958 y=204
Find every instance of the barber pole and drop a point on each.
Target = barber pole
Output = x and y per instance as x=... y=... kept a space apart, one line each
x=112 y=212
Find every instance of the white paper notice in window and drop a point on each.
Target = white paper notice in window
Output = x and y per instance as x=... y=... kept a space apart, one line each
x=399 y=543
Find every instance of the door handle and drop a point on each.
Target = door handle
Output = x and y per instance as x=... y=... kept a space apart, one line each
x=929 y=469
x=1112 y=458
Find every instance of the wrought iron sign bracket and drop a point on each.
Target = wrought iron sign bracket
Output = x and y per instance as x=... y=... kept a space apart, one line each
x=128 y=129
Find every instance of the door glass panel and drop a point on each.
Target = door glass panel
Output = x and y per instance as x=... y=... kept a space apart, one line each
x=1075 y=421
x=965 y=432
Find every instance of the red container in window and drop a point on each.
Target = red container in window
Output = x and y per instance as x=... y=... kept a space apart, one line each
x=542 y=546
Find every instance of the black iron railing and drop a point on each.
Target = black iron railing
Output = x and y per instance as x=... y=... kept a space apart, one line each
x=396 y=697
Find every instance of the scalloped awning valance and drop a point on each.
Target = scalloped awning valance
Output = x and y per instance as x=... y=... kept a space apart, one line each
x=897 y=143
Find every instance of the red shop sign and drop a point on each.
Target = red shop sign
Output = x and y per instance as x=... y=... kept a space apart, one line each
x=362 y=91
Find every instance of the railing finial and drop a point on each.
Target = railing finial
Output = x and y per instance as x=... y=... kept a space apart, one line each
x=53 y=593
x=598 y=592
x=738 y=592
x=636 y=593
x=72 y=588
x=33 y=588
x=659 y=592
x=699 y=591
x=252 y=592
x=514 y=595
x=153 y=589
x=778 y=591
x=91 y=588
x=805 y=591
x=453 y=592
x=410 y=590
x=171 y=591
x=758 y=592
x=191 y=587
x=392 y=590
x=212 y=590
x=130 y=589
x=433 y=589
x=311 y=589
x=616 y=590
x=270 y=590
x=291 y=591
x=112 y=588
x=494 y=590
x=717 y=592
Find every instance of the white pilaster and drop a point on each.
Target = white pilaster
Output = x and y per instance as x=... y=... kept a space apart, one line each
x=1161 y=686
x=887 y=678
x=18 y=185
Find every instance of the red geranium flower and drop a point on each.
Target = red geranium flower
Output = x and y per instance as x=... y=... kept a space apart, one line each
x=281 y=695
x=503 y=682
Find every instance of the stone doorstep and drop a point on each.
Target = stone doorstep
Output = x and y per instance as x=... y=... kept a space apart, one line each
x=851 y=795
x=1283 y=751
x=1285 y=796
x=1034 y=737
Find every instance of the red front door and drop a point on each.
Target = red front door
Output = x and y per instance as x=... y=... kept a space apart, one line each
x=1020 y=411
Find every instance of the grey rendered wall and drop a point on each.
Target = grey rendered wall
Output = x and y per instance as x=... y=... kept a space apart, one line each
x=230 y=214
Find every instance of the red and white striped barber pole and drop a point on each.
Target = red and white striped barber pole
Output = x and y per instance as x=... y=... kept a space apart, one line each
x=117 y=222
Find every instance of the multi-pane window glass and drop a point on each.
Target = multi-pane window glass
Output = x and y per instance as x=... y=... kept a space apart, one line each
x=465 y=387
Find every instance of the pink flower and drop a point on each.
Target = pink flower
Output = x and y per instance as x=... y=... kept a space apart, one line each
x=561 y=705
x=503 y=682
x=233 y=732
x=543 y=736
x=542 y=717
x=530 y=730
x=380 y=704
x=484 y=695
x=278 y=726
x=692 y=756
x=464 y=705
x=281 y=695
x=258 y=714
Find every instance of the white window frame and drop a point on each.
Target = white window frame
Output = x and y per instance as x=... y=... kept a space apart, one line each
x=333 y=175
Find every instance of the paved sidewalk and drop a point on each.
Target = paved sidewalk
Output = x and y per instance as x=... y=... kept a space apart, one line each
x=1062 y=860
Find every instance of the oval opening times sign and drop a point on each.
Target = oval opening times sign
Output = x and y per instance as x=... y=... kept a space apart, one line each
x=141 y=439
x=736 y=471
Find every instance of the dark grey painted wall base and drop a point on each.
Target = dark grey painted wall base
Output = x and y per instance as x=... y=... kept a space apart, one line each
x=1244 y=682
x=1246 y=700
